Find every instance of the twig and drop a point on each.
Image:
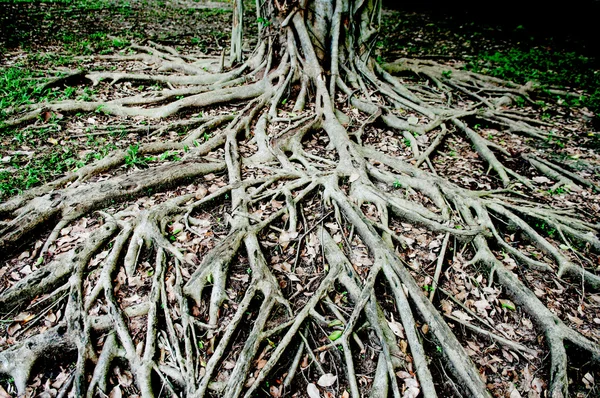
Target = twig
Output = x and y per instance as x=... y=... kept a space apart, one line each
x=438 y=268
x=505 y=342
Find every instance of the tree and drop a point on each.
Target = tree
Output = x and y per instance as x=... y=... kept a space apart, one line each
x=313 y=65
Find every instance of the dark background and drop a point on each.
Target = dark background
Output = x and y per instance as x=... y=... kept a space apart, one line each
x=571 y=25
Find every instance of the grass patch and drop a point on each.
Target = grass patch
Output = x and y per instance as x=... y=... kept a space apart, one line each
x=548 y=68
x=21 y=170
x=95 y=43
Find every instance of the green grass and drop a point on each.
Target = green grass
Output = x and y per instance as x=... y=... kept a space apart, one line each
x=547 y=68
x=95 y=43
x=19 y=171
x=19 y=86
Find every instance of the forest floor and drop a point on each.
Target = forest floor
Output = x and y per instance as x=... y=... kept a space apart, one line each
x=44 y=39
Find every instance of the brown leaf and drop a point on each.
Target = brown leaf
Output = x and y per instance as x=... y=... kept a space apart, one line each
x=396 y=328
x=514 y=393
x=461 y=315
x=261 y=364
x=575 y=320
x=304 y=363
x=403 y=346
x=446 y=307
x=13 y=328
x=51 y=317
x=286 y=237
x=4 y=394
x=275 y=392
x=403 y=375
x=115 y=392
x=411 y=392
x=230 y=365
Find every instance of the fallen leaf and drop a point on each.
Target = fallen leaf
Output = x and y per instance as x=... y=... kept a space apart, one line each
x=313 y=391
x=12 y=329
x=588 y=380
x=230 y=365
x=575 y=320
x=275 y=393
x=4 y=394
x=336 y=334
x=286 y=237
x=411 y=392
x=461 y=315
x=542 y=180
x=446 y=307
x=514 y=393
x=396 y=328
x=327 y=380
x=115 y=392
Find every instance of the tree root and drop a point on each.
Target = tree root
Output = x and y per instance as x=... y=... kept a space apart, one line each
x=293 y=185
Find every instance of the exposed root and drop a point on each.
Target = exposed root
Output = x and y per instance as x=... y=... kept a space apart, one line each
x=238 y=284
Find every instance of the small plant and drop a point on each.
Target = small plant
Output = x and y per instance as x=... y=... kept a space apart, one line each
x=546 y=228
x=263 y=22
x=447 y=74
x=172 y=156
x=558 y=191
x=133 y=158
x=397 y=184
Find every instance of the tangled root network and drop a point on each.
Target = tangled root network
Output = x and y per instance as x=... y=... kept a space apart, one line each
x=312 y=239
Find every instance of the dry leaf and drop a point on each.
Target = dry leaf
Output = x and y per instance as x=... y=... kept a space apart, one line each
x=461 y=315
x=588 y=380
x=327 y=380
x=230 y=365
x=286 y=237
x=4 y=394
x=403 y=375
x=397 y=328
x=446 y=307
x=12 y=329
x=115 y=392
x=313 y=391
x=304 y=363
x=411 y=392
x=261 y=364
x=275 y=392
x=514 y=393
x=575 y=320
